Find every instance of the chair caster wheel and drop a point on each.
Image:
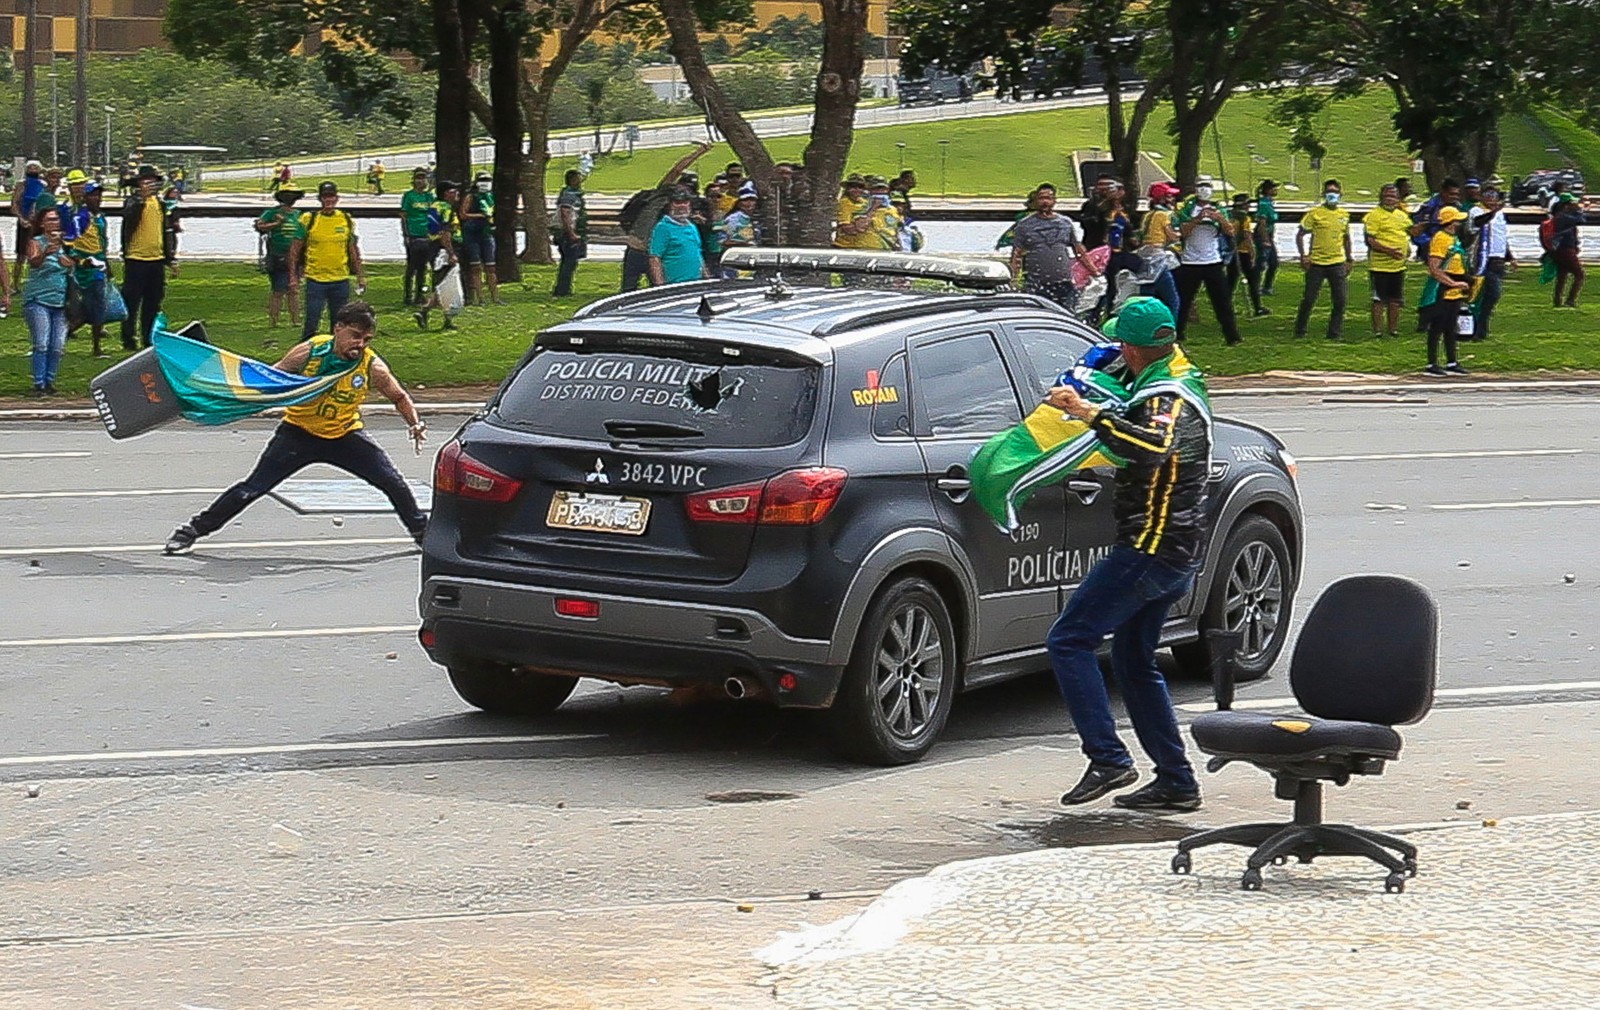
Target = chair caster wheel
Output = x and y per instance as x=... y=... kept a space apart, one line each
x=1181 y=863
x=1411 y=866
x=1251 y=881
x=1395 y=883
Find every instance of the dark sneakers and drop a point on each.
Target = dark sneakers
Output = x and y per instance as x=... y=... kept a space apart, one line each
x=1097 y=781
x=181 y=541
x=1158 y=795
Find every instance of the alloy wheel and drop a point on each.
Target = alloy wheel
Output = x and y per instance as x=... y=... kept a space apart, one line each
x=909 y=672
x=1254 y=604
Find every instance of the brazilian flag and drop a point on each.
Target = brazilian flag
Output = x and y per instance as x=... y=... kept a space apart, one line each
x=214 y=386
x=1048 y=446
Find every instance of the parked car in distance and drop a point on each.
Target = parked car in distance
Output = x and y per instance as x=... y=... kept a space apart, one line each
x=764 y=487
x=934 y=87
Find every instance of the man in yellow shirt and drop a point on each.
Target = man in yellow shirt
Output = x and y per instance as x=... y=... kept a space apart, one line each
x=149 y=254
x=326 y=254
x=1388 y=229
x=1329 y=258
x=854 y=230
x=326 y=430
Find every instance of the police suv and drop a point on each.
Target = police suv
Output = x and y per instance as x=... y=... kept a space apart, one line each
x=764 y=485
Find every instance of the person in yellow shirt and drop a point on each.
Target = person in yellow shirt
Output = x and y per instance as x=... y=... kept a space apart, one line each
x=854 y=221
x=327 y=429
x=1388 y=229
x=326 y=254
x=1444 y=297
x=149 y=254
x=1329 y=258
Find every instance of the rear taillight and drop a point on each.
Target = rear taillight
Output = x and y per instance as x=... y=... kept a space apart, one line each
x=793 y=498
x=740 y=504
x=456 y=473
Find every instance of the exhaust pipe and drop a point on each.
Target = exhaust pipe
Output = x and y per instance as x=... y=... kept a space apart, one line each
x=735 y=687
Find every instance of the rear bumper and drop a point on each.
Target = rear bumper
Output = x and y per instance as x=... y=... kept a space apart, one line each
x=633 y=640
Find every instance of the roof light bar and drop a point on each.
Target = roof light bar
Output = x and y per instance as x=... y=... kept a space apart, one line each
x=965 y=273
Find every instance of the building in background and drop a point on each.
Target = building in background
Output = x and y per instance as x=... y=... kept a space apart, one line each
x=116 y=27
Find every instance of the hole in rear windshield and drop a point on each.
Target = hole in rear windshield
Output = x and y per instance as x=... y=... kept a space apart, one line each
x=762 y=400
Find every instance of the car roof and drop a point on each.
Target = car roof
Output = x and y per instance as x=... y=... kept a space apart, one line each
x=812 y=321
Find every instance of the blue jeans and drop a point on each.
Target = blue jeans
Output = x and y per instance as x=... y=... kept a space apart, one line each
x=1164 y=288
x=333 y=294
x=1494 y=279
x=47 y=325
x=1126 y=595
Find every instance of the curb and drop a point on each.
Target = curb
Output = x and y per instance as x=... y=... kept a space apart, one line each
x=1355 y=389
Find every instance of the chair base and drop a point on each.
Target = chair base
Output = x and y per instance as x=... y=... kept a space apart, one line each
x=1305 y=838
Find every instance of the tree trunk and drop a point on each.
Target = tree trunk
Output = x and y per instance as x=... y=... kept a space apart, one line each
x=1123 y=136
x=452 y=128
x=30 y=91
x=536 y=216
x=80 y=88
x=1186 y=163
x=838 y=91
x=505 y=100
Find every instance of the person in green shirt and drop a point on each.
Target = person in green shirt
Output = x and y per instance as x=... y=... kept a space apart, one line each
x=1266 y=237
x=477 y=247
x=444 y=225
x=279 y=227
x=572 y=231
x=415 y=207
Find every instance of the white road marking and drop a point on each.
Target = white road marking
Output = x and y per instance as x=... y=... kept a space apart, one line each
x=143 y=492
x=1491 y=505
x=206 y=636
x=43 y=455
x=1492 y=691
x=331 y=747
x=203 y=547
x=1464 y=454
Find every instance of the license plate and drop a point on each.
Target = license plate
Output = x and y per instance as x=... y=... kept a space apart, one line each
x=598 y=513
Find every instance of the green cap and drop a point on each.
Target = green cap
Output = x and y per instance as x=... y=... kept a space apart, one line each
x=1143 y=322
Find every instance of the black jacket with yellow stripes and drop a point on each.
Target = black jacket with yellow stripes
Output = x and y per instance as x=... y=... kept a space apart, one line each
x=1161 y=493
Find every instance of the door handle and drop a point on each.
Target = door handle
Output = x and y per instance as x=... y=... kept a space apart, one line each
x=1086 y=490
x=955 y=483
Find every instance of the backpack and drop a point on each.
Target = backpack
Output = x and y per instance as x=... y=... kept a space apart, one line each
x=629 y=214
x=1547 y=234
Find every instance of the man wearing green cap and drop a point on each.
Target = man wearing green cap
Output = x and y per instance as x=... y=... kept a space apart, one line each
x=1164 y=435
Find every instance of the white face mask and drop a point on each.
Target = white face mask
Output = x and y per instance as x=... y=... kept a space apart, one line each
x=1203 y=192
x=1331 y=199
x=484 y=187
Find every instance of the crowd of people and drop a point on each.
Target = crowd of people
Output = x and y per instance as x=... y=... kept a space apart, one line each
x=61 y=272
x=1183 y=243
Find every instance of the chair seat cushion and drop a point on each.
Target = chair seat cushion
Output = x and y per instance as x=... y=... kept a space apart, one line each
x=1240 y=734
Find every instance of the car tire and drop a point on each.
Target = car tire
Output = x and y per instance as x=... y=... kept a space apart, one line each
x=1253 y=589
x=885 y=712
x=501 y=689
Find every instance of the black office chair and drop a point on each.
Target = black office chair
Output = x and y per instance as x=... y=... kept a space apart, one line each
x=1366 y=661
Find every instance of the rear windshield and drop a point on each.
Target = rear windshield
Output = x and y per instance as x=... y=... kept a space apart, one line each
x=679 y=392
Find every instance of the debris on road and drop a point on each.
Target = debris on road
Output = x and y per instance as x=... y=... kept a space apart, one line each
x=285 y=841
x=31 y=792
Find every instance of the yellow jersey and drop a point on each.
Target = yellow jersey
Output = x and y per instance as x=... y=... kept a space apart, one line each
x=1328 y=227
x=327 y=238
x=1444 y=247
x=849 y=211
x=1393 y=229
x=338 y=411
x=145 y=243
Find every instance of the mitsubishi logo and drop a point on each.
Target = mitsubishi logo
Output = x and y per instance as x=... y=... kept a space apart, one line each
x=598 y=474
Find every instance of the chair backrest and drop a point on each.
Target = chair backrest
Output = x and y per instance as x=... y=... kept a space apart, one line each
x=1369 y=651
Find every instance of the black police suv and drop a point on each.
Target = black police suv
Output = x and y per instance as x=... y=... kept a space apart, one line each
x=764 y=487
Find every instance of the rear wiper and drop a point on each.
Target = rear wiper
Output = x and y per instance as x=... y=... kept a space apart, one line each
x=650 y=429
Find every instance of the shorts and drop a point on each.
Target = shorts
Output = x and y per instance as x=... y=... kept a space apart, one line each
x=478 y=247
x=1062 y=292
x=92 y=293
x=1388 y=286
x=278 y=272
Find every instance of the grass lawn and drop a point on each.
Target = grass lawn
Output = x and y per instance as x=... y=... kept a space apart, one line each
x=1531 y=336
x=1008 y=155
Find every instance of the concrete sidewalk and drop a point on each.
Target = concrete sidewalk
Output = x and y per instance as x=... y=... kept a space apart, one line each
x=1501 y=914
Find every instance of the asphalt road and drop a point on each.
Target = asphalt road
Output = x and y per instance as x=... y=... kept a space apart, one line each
x=246 y=802
x=279 y=630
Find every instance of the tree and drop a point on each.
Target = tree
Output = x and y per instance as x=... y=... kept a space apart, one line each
x=835 y=94
x=1453 y=67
